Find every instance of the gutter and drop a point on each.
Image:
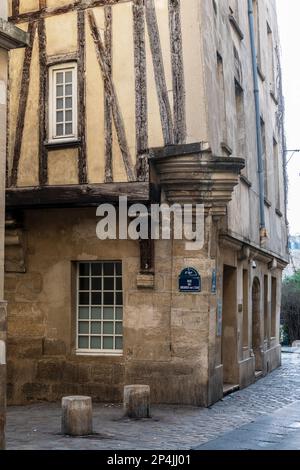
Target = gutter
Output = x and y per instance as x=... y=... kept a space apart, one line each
x=263 y=230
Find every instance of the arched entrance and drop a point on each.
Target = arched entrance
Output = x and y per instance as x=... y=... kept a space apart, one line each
x=256 y=324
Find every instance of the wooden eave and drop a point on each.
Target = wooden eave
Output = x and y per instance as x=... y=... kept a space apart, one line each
x=77 y=195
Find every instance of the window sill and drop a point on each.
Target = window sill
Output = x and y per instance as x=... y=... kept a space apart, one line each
x=245 y=180
x=267 y=202
x=63 y=144
x=260 y=73
x=225 y=147
x=236 y=27
x=99 y=353
x=273 y=96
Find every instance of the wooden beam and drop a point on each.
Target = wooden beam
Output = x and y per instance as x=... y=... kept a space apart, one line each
x=114 y=103
x=52 y=11
x=159 y=73
x=22 y=103
x=15 y=7
x=81 y=68
x=43 y=152
x=75 y=195
x=177 y=72
x=107 y=106
x=140 y=77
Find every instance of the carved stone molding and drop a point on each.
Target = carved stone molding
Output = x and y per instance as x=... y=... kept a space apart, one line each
x=192 y=174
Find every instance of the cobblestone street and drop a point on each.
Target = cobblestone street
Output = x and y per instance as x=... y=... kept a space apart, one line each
x=171 y=427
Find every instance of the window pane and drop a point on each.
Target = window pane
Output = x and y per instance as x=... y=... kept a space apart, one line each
x=119 y=313
x=68 y=77
x=118 y=328
x=118 y=283
x=96 y=328
x=108 y=298
x=96 y=298
x=59 y=129
x=108 y=269
x=108 y=342
x=108 y=327
x=69 y=115
x=108 y=313
x=83 y=313
x=95 y=342
x=84 y=298
x=96 y=283
x=68 y=90
x=96 y=269
x=100 y=311
x=108 y=283
x=83 y=342
x=119 y=342
x=59 y=103
x=68 y=102
x=84 y=327
x=59 y=77
x=84 y=283
x=96 y=313
x=59 y=91
x=69 y=129
x=119 y=298
x=84 y=269
x=59 y=116
x=119 y=269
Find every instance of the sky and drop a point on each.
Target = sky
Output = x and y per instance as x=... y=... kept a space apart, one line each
x=289 y=26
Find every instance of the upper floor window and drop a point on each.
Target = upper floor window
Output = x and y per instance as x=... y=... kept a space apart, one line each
x=257 y=32
x=271 y=61
x=63 y=102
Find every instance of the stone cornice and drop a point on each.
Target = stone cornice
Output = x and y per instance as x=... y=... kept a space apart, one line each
x=191 y=174
x=11 y=37
x=254 y=251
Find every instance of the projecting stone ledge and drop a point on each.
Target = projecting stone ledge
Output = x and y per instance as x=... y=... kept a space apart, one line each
x=12 y=37
x=137 y=401
x=77 y=416
x=192 y=174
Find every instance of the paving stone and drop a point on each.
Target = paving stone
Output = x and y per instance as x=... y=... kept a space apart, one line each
x=173 y=427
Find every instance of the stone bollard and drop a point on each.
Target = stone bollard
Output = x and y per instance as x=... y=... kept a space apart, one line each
x=77 y=416
x=137 y=401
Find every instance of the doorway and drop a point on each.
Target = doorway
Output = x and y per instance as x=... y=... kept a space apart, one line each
x=229 y=329
x=256 y=325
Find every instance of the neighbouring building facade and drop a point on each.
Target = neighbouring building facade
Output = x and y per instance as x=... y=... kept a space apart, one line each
x=153 y=100
x=10 y=38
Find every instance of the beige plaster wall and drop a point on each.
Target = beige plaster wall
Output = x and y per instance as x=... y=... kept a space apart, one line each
x=61 y=38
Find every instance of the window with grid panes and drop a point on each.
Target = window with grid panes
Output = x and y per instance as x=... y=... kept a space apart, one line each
x=63 y=102
x=99 y=307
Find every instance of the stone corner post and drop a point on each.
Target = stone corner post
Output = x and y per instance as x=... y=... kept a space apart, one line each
x=2 y=372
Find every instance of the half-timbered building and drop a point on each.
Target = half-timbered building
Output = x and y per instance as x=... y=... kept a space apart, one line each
x=153 y=100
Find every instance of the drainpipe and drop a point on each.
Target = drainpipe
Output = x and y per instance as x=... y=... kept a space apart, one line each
x=263 y=231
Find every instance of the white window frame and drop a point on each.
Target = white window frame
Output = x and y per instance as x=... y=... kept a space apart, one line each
x=52 y=137
x=90 y=351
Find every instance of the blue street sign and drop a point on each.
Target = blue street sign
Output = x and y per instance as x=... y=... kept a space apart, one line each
x=189 y=280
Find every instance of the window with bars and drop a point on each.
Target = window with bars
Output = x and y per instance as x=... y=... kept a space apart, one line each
x=63 y=102
x=99 y=308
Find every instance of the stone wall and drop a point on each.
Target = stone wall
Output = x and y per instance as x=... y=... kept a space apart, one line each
x=165 y=332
